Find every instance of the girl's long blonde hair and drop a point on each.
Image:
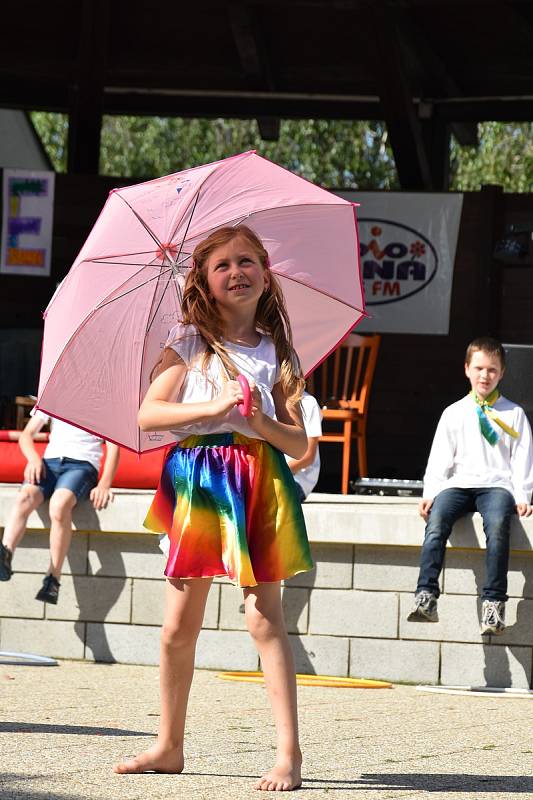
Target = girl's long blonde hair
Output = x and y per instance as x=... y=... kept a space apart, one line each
x=271 y=315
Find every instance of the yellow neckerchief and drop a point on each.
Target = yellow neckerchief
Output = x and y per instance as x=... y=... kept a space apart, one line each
x=484 y=409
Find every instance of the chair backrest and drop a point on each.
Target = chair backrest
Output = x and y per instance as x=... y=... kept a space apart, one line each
x=344 y=379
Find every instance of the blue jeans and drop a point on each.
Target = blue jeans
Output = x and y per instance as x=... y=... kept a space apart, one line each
x=68 y=473
x=497 y=507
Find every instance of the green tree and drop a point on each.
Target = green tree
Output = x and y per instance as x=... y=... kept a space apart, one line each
x=53 y=132
x=333 y=153
x=504 y=157
x=339 y=154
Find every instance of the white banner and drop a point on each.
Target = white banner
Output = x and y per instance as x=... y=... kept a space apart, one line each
x=27 y=220
x=408 y=244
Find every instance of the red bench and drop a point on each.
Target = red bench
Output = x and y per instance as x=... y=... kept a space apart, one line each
x=134 y=471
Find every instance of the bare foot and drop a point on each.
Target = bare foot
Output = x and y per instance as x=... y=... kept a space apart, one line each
x=156 y=759
x=284 y=776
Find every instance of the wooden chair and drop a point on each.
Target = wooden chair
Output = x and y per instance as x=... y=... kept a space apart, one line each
x=341 y=384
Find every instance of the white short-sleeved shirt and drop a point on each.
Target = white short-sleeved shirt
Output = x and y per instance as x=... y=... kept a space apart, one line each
x=312 y=417
x=203 y=384
x=66 y=441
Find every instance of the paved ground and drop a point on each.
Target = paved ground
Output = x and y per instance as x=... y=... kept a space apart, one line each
x=61 y=729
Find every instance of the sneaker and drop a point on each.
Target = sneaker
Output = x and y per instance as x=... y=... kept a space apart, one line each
x=5 y=563
x=424 y=609
x=493 y=617
x=49 y=591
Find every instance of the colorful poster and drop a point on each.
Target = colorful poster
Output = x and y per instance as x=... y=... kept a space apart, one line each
x=27 y=220
x=408 y=243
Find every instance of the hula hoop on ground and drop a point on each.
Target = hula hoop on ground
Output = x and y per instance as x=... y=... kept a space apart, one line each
x=310 y=680
x=8 y=657
x=487 y=691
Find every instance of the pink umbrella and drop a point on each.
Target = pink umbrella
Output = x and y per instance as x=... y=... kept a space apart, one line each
x=108 y=320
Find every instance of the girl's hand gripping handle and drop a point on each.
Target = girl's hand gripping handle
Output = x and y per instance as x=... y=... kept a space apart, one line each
x=245 y=407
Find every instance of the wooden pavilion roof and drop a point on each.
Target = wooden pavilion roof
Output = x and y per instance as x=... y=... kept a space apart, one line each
x=425 y=67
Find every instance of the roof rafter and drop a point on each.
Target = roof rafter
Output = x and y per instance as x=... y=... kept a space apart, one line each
x=427 y=59
x=403 y=125
x=254 y=61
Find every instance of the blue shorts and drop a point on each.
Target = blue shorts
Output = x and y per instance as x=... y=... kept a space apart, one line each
x=68 y=473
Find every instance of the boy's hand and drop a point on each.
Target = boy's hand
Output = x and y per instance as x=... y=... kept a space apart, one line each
x=34 y=470
x=524 y=509
x=424 y=507
x=100 y=497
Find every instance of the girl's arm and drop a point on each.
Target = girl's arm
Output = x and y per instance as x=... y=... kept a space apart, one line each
x=160 y=412
x=287 y=432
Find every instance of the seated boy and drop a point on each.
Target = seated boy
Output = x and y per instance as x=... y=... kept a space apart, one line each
x=481 y=460
x=67 y=474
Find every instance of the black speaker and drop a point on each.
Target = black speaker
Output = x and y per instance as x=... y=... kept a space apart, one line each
x=517 y=381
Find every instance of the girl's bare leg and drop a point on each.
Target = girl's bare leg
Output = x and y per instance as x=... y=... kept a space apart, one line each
x=264 y=617
x=184 y=611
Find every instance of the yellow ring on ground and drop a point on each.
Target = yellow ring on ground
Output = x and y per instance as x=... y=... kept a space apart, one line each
x=310 y=680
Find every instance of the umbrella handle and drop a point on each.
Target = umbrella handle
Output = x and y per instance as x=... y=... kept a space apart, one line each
x=245 y=406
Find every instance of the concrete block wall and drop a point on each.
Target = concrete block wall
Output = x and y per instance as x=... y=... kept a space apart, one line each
x=345 y=617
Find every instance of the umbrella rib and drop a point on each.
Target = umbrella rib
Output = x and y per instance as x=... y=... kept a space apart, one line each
x=239 y=220
x=143 y=223
x=177 y=258
x=130 y=263
x=202 y=185
x=196 y=198
x=314 y=289
x=133 y=289
x=104 y=258
x=151 y=322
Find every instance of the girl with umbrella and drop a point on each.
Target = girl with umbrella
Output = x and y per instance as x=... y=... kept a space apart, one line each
x=226 y=497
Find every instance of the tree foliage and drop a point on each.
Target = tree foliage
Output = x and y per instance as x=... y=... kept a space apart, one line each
x=504 y=157
x=334 y=153
x=337 y=154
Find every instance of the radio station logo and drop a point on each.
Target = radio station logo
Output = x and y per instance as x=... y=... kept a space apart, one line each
x=396 y=261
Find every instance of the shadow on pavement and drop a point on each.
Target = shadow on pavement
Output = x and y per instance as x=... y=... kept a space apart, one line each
x=430 y=782
x=417 y=781
x=449 y=782
x=80 y=730
x=15 y=787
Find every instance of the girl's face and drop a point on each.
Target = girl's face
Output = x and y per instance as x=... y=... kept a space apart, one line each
x=235 y=276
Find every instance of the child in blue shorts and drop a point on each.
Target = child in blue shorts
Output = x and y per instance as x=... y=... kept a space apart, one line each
x=67 y=474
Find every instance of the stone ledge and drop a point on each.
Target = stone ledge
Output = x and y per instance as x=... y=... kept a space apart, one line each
x=330 y=518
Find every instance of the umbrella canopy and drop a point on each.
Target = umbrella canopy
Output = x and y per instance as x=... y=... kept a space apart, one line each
x=110 y=317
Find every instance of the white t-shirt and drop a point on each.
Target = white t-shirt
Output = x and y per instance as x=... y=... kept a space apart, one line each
x=312 y=416
x=461 y=456
x=255 y=363
x=66 y=441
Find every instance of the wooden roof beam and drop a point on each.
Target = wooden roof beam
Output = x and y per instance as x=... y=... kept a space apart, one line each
x=86 y=109
x=399 y=112
x=428 y=61
x=254 y=62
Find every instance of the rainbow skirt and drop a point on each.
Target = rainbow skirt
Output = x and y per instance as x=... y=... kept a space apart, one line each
x=229 y=506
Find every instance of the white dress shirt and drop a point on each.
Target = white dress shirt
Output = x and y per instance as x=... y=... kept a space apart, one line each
x=461 y=456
